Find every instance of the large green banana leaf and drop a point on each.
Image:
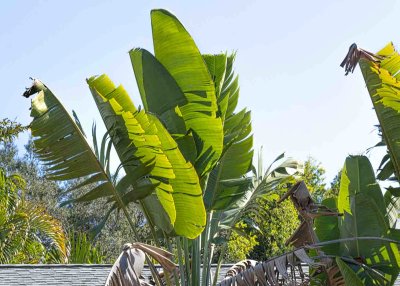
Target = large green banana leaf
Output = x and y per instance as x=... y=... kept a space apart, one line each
x=364 y=210
x=327 y=228
x=364 y=215
x=217 y=65
x=382 y=80
x=358 y=179
x=138 y=138
x=175 y=49
x=162 y=96
x=392 y=202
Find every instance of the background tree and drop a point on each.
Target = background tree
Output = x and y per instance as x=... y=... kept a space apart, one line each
x=314 y=178
x=26 y=228
x=241 y=242
x=10 y=129
x=278 y=221
x=75 y=217
x=333 y=190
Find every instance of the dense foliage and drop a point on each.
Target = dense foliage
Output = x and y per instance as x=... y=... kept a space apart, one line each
x=280 y=220
x=76 y=217
x=27 y=230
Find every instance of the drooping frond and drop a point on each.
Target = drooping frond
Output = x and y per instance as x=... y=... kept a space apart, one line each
x=127 y=269
x=62 y=147
x=286 y=269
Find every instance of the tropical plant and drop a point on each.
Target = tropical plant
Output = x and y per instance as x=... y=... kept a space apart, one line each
x=77 y=217
x=81 y=251
x=25 y=228
x=365 y=214
x=380 y=72
x=186 y=156
x=353 y=247
x=10 y=129
x=264 y=184
x=280 y=220
x=381 y=76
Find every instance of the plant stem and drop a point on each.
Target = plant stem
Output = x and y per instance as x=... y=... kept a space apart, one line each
x=206 y=249
x=196 y=264
x=166 y=272
x=151 y=224
x=220 y=259
x=187 y=261
x=181 y=265
x=209 y=277
x=128 y=217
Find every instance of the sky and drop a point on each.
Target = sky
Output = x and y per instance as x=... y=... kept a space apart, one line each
x=288 y=56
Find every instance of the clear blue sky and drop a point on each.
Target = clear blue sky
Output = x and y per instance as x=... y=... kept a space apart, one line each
x=288 y=55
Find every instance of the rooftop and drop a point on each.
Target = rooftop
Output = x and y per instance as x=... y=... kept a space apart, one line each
x=62 y=274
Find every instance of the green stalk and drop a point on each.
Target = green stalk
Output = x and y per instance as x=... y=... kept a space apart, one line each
x=196 y=262
x=206 y=249
x=209 y=263
x=152 y=225
x=220 y=259
x=181 y=265
x=187 y=261
x=165 y=272
x=128 y=217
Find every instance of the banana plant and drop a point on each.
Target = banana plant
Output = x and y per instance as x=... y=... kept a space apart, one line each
x=354 y=248
x=262 y=184
x=365 y=215
x=380 y=72
x=187 y=156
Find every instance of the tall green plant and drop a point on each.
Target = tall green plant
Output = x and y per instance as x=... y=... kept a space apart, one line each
x=186 y=156
x=364 y=212
x=380 y=72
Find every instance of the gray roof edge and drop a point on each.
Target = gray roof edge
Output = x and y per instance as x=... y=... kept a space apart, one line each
x=75 y=265
x=55 y=266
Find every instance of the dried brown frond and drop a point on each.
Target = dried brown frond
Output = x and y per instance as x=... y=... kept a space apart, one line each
x=285 y=269
x=353 y=57
x=127 y=269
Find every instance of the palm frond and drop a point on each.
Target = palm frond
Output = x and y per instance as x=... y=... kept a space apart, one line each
x=21 y=222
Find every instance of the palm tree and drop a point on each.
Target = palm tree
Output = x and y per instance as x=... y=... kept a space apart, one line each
x=25 y=228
